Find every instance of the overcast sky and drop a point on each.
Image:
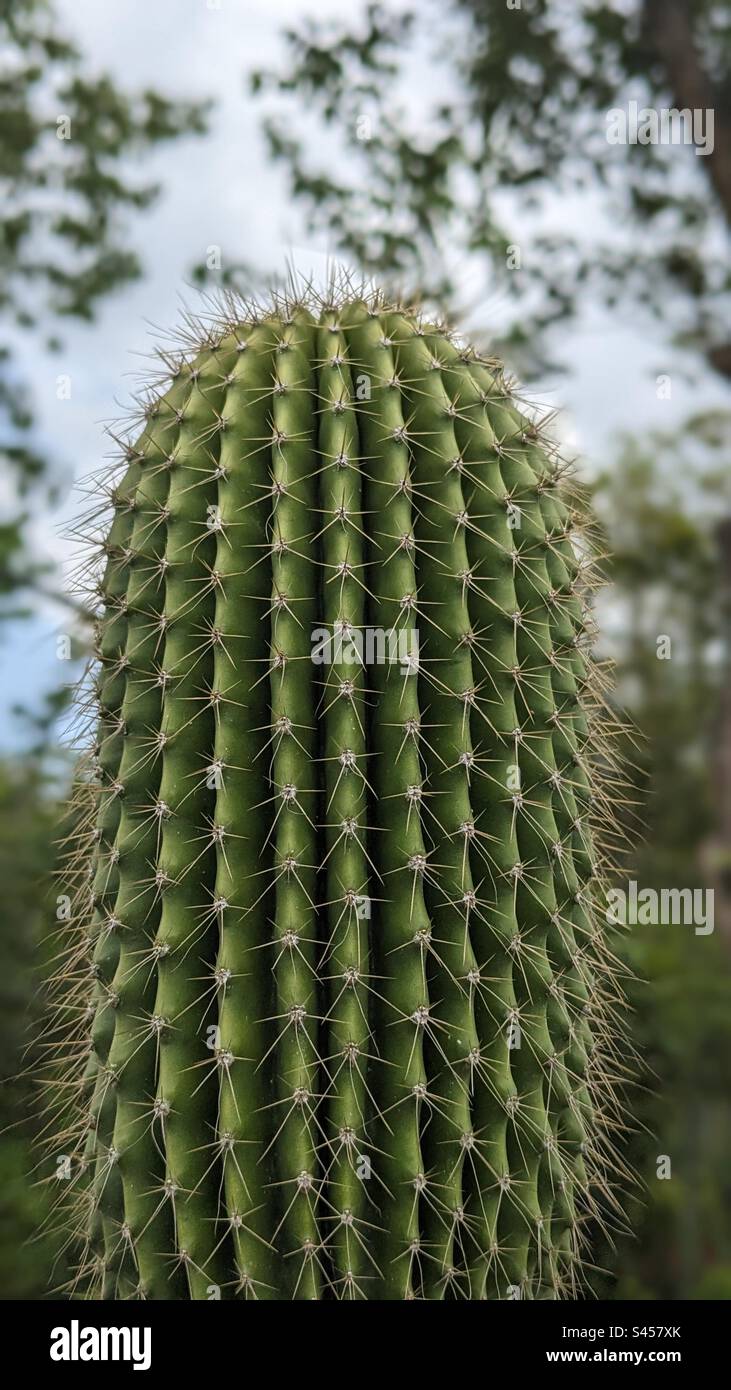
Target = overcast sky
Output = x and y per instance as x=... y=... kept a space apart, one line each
x=222 y=190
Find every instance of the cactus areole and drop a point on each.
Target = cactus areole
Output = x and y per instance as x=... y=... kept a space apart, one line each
x=336 y=944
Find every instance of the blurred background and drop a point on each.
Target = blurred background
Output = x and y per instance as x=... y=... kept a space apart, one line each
x=457 y=150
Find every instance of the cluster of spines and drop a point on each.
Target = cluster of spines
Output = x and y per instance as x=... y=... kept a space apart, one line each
x=285 y=1095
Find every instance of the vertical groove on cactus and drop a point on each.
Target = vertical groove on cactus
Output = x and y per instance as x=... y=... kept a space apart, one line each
x=342 y=1011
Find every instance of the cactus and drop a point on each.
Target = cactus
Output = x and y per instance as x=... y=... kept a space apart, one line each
x=342 y=1004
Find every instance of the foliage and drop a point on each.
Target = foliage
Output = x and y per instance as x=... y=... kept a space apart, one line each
x=69 y=141
x=665 y=572
x=511 y=138
x=27 y=816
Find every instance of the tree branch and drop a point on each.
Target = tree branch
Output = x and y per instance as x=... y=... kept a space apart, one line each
x=669 y=29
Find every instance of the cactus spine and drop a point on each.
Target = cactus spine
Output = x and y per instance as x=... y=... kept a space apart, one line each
x=340 y=974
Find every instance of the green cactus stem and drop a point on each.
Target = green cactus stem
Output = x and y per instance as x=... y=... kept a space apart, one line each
x=341 y=1005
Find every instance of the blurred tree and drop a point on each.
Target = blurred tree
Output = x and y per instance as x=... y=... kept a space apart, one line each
x=69 y=137
x=659 y=517
x=27 y=815
x=501 y=155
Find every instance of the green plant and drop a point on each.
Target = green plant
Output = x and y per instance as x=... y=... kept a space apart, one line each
x=347 y=1031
